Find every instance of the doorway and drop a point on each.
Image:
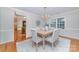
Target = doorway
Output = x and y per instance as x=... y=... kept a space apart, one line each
x=19 y=28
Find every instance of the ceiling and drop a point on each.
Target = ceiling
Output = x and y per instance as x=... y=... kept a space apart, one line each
x=50 y=10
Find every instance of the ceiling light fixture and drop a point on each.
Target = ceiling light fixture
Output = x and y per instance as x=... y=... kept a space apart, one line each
x=45 y=16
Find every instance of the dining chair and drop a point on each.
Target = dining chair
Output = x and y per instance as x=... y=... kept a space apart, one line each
x=54 y=38
x=35 y=38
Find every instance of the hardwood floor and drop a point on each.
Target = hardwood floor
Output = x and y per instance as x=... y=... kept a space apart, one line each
x=8 y=47
x=74 y=47
x=11 y=46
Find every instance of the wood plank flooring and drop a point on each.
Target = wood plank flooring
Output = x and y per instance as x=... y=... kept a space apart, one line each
x=74 y=47
x=11 y=46
x=8 y=47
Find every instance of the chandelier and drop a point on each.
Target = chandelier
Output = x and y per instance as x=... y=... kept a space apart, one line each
x=45 y=15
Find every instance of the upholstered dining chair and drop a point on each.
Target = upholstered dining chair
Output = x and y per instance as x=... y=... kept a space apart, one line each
x=35 y=38
x=54 y=38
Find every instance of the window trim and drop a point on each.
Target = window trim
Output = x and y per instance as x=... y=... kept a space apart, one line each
x=56 y=20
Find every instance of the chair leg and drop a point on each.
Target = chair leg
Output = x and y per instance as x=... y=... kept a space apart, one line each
x=33 y=44
x=52 y=45
x=56 y=42
x=36 y=47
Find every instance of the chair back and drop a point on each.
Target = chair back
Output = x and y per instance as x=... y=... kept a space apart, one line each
x=34 y=34
x=55 y=34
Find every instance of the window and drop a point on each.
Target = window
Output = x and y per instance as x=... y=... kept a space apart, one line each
x=60 y=23
x=57 y=23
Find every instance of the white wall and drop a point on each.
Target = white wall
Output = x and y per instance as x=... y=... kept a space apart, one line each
x=71 y=23
x=7 y=22
x=6 y=25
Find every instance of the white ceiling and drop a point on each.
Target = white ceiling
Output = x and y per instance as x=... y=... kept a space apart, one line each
x=50 y=10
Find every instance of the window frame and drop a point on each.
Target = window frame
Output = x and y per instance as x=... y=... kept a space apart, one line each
x=56 y=23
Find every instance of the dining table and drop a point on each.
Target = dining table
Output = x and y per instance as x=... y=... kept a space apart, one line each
x=44 y=34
